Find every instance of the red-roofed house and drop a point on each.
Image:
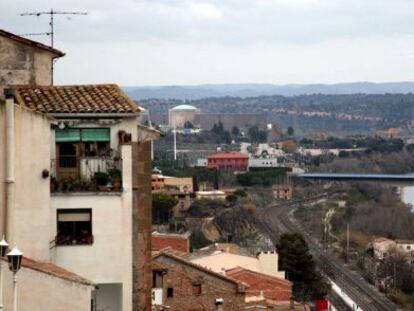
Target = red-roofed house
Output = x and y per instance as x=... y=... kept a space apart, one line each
x=229 y=161
x=180 y=285
x=175 y=241
x=45 y=286
x=270 y=287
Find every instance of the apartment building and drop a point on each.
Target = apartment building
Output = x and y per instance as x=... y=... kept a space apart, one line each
x=77 y=177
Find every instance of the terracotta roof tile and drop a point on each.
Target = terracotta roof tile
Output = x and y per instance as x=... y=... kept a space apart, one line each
x=230 y=155
x=35 y=44
x=241 y=286
x=53 y=270
x=79 y=99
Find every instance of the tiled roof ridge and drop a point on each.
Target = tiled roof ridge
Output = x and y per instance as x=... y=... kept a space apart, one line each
x=201 y=268
x=275 y=278
x=105 y=98
x=33 y=43
x=54 y=270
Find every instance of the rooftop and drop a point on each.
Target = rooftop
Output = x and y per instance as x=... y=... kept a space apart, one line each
x=184 y=107
x=76 y=99
x=53 y=270
x=229 y=155
x=32 y=43
x=240 y=285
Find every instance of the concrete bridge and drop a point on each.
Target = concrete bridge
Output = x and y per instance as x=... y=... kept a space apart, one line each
x=399 y=179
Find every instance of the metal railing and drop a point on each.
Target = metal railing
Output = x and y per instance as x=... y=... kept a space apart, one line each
x=69 y=173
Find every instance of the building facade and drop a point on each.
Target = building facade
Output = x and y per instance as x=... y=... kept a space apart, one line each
x=45 y=286
x=79 y=215
x=228 y=161
x=180 y=115
x=220 y=262
x=184 y=286
x=25 y=62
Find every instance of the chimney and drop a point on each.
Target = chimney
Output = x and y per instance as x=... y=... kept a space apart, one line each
x=268 y=262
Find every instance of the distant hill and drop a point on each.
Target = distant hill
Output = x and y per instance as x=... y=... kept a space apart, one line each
x=253 y=90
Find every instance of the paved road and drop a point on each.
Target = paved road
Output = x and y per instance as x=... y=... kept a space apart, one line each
x=276 y=221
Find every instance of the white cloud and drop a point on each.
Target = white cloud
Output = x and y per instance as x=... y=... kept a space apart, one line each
x=194 y=41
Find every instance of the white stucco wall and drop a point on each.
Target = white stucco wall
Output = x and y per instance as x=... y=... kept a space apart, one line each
x=2 y=162
x=222 y=261
x=109 y=258
x=39 y=291
x=30 y=212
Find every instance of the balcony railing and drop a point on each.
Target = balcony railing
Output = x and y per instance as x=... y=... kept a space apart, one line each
x=70 y=174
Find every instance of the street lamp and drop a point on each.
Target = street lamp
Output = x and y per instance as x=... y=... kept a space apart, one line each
x=3 y=249
x=15 y=262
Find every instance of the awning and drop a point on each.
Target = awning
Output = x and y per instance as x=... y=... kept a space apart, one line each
x=68 y=135
x=96 y=135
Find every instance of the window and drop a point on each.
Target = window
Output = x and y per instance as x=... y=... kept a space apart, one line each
x=74 y=227
x=197 y=289
x=157 y=279
x=170 y=292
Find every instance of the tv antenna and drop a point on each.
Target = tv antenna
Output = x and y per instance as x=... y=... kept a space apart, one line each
x=52 y=14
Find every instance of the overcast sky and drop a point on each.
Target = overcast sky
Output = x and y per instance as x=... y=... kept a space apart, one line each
x=169 y=42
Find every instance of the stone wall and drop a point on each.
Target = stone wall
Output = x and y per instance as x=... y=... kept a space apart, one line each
x=184 y=280
x=23 y=64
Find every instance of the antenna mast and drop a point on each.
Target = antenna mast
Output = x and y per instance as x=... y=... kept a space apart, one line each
x=51 y=33
x=52 y=14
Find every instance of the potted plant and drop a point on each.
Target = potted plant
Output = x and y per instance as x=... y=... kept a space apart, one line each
x=102 y=180
x=116 y=176
x=53 y=184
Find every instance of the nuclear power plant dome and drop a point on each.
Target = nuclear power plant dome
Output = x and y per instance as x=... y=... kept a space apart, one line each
x=184 y=107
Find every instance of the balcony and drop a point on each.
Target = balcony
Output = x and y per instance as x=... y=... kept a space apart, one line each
x=86 y=174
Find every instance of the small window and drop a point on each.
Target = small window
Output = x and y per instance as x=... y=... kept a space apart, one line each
x=170 y=292
x=157 y=279
x=74 y=227
x=197 y=289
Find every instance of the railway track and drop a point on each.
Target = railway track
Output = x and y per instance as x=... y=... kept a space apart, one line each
x=275 y=220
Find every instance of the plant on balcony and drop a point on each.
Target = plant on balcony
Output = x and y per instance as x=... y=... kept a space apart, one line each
x=116 y=178
x=102 y=179
x=68 y=184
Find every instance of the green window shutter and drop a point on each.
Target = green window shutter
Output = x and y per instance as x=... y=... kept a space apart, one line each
x=96 y=135
x=67 y=135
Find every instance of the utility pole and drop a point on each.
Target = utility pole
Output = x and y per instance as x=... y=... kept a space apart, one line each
x=347 y=242
x=51 y=32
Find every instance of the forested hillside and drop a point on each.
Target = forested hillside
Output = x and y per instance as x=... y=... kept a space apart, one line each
x=331 y=114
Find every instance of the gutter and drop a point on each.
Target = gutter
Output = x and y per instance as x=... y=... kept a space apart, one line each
x=10 y=162
x=93 y=114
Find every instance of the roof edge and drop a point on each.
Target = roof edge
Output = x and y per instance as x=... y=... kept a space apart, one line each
x=33 y=43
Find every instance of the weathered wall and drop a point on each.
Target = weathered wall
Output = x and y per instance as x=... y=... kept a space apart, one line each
x=40 y=292
x=177 y=118
x=108 y=259
x=30 y=212
x=141 y=223
x=23 y=64
x=182 y=277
